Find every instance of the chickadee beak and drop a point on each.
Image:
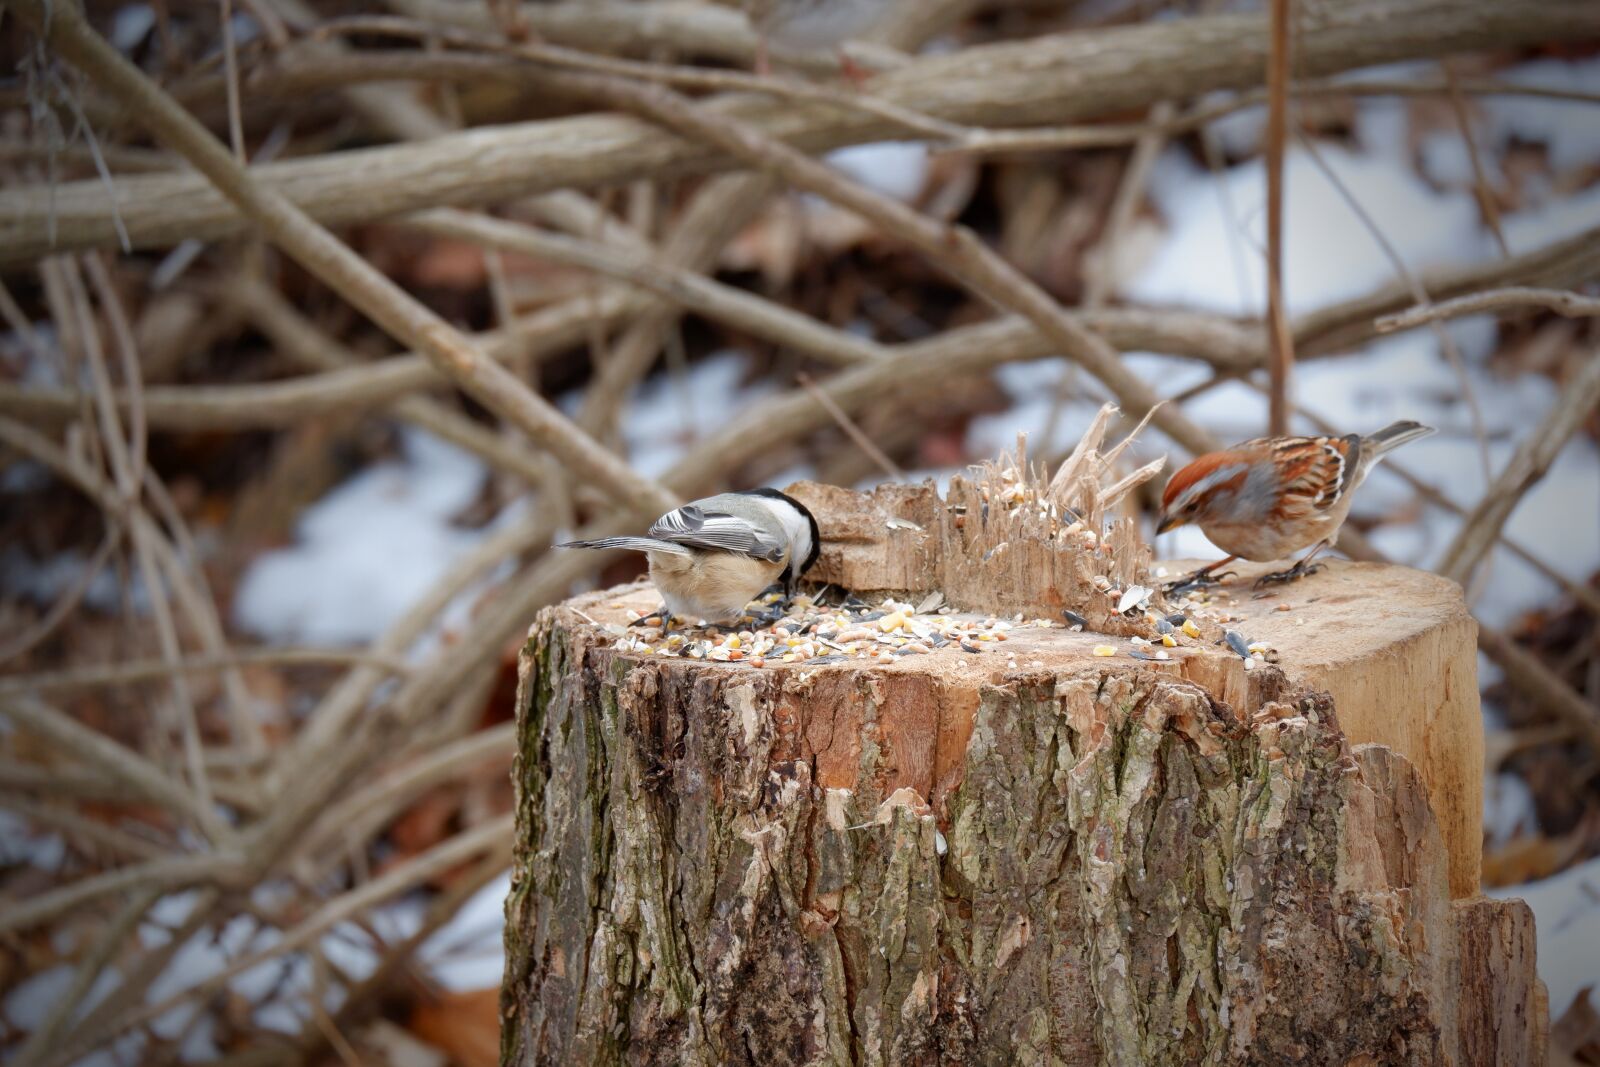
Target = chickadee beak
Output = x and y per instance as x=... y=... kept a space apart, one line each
x=1170 y=522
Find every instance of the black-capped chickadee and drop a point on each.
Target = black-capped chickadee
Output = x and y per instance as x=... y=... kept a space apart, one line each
x=710 y=558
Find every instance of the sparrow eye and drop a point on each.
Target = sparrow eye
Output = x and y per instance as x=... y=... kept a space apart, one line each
x=1191 y=507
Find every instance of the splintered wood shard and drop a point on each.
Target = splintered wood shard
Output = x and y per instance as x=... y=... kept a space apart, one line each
x=1008 y=539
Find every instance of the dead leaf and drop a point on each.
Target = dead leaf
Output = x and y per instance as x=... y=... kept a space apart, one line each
x=465 y=1026
x=1577 y=1032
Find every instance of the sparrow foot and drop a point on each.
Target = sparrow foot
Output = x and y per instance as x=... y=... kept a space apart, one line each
x=1200 y=579
x=1295 y=573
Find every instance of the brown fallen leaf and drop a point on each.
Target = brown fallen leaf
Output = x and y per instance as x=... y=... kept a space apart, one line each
x=465 y=1026
x=1577 y=1032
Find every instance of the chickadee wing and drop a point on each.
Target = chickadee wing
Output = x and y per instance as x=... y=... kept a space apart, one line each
x=695 y=528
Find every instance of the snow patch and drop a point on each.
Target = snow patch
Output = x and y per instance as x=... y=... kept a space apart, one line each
x=367 y=550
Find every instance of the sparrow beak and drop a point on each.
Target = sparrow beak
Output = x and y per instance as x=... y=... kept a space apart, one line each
x=1170 y=522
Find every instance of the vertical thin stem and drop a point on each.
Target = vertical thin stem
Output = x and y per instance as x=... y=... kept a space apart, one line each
x=1280 y=336
x=230 y=62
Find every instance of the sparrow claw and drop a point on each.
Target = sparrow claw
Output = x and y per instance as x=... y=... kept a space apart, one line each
x=1295 y=573
x=1200 y=579
x=660 y=618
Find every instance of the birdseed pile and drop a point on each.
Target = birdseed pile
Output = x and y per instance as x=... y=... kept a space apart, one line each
x=806 y=630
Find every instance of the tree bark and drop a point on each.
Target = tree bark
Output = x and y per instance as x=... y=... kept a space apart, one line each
x=1031 y=855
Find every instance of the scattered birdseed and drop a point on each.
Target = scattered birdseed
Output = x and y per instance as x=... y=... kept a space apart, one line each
x=1169 y=641
x=803 y=632
x=1136 y=654
x=1190 y=628
x=1163 y=627
x=1076 y=621
x=1104 y=650
x=1177 y=618
x=1237 y=642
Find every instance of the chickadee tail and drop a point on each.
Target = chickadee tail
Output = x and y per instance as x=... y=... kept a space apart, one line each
x=1393 y=436
x=635 y=544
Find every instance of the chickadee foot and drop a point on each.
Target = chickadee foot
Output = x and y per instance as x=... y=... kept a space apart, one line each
x=1295 y=573
x=1200 y=579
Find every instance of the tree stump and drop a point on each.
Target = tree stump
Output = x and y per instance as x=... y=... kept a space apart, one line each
x=1034 y=854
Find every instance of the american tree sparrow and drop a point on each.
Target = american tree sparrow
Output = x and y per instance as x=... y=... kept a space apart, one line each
x=1270 y=497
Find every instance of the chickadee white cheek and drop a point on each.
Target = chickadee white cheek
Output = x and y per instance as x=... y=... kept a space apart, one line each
x=715 y=586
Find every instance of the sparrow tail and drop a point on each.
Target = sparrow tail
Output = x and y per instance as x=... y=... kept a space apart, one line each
x=1393 y=436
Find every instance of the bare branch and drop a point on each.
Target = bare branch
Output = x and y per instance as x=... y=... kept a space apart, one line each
x=1050 y=80
x=1527 y=466
x=1572 y=305
x=353 y=277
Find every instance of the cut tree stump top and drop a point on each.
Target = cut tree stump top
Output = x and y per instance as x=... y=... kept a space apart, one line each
x=1394 y=647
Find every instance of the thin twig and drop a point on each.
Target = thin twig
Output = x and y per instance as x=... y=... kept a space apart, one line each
x=169 y=874
x=1480 y=176
x=63 y=606
x=108 y=942
x=718 y=212
x=851 y=430
x=156 y=670
x=954 y=249
x=377 y=801
x=492 y=836
x=1529 y=676
x=1527 y=466
x=115 y=760
x=1111 y=134
x=230 y=64
x=301 y=339
x=1572 y=305
x=1447 y=343
x=1069 y=78
x=685 y=288
x=1280 y=338
x=329 y=259
x=127 y=475
x=664 y=74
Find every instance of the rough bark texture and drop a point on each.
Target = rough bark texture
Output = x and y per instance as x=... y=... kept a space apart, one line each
x=1395 y=648
x=941 y=861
